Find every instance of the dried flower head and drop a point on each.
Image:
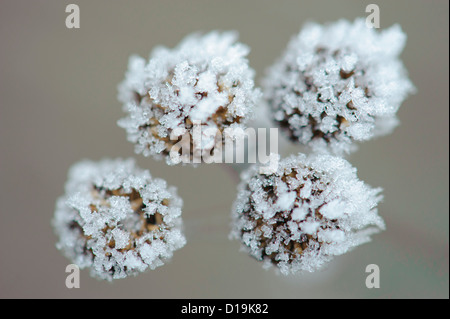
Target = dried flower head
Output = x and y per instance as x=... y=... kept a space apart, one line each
x=117 y=220
x=205 y=79
x=338 y=83
x=310 y=210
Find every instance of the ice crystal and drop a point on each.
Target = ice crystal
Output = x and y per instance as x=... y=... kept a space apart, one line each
x=310 y=210
x=205 y=79
x=338 y=83
x=116 y=219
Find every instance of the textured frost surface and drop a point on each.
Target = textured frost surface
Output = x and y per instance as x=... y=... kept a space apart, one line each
x=338 y=83
x=116 y=219
x=310 y=210
x=205 y=79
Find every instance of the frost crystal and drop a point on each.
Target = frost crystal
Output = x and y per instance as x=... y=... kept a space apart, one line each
x=205 y=79
x=310 y=210
x=338 y=83
x=117 y=220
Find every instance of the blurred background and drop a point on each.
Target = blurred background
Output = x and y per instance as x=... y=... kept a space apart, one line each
x=58 y=105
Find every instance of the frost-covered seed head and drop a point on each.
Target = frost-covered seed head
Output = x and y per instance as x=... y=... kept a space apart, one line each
x=338 y=83
x=205 y=79
x=117 y=220
x=310 y=210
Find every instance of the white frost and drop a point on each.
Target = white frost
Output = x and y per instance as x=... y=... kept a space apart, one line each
x=310 y=210
x=105 y=233
x=189 y=82
x=338 y=83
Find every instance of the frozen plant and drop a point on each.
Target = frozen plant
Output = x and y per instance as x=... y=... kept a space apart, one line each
x=312 y=209
x=338 y=83
x=205 y=79
x=117 y=220
x=334 y=85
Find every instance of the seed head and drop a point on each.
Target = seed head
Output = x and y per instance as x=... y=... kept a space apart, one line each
x=205 y=79
x=338 y=83
x=117 y=220
x=300 y=217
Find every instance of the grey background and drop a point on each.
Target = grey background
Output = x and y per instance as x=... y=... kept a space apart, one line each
x=58 y=105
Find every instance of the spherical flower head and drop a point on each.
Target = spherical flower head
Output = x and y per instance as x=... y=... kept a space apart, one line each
x=204 y=81
x=337 y=84
x=310 y=210
x=117 y=220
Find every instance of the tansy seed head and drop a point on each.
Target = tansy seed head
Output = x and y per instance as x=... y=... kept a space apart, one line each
x=310 y=210
x=338 y=83
x=117 y=220
x=205 y=79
